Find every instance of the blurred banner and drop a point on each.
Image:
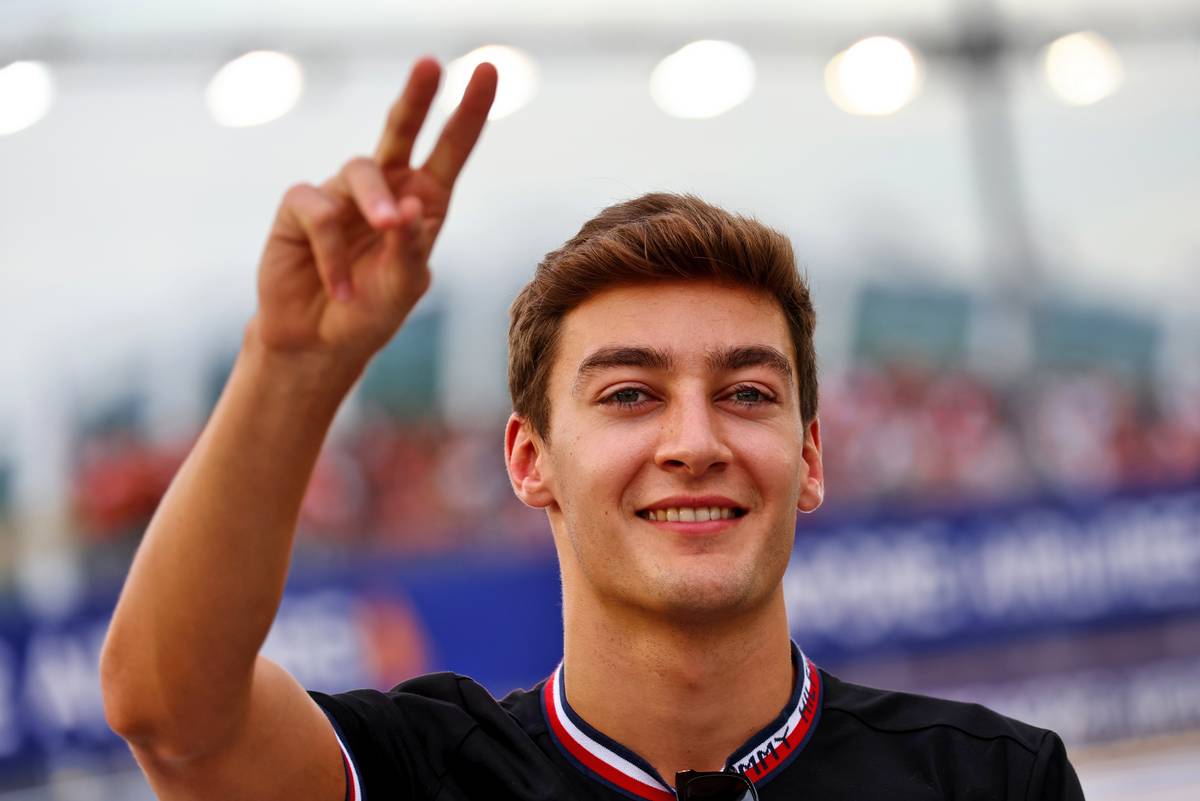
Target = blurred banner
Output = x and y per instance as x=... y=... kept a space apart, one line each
x=1079 y=615
x=990 y=575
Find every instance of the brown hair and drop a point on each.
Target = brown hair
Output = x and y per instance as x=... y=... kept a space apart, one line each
x=656 y=237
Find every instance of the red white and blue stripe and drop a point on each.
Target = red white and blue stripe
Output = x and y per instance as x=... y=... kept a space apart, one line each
x=762 y=758
x=353 y=784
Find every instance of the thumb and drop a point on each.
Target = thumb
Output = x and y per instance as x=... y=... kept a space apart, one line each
x=407 y=239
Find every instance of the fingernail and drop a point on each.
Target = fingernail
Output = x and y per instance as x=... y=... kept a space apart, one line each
x=343 y=291
x=385 y=209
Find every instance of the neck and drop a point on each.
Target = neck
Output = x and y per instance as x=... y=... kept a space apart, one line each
x=682 y=696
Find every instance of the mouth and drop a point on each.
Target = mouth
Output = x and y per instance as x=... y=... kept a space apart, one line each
x=691 y=513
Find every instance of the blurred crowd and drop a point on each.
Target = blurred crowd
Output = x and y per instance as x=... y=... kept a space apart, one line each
x=895 y=435
x=910 y=435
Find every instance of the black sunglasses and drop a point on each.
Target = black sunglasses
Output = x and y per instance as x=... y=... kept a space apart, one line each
x=695 y=785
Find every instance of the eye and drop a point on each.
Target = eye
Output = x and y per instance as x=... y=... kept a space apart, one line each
x=746 y=395
x=625 y=397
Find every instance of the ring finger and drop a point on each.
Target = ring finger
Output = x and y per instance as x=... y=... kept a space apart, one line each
x=362 y=180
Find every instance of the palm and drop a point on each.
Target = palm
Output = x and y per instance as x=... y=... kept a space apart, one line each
x=385 y=262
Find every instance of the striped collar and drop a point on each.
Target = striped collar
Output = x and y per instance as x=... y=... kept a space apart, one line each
x=763 y=756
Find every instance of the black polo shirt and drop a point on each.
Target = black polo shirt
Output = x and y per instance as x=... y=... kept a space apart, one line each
x=443 y=737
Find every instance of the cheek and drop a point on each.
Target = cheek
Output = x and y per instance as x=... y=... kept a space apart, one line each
x=775 y=460
x=597 y=466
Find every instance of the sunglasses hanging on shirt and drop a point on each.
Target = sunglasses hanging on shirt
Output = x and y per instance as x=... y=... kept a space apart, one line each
x=693 y=785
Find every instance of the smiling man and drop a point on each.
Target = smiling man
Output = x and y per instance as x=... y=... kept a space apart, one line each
x=665 y=417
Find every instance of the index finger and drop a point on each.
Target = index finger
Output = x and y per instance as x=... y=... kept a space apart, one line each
x=462 y=131
x=408 y=114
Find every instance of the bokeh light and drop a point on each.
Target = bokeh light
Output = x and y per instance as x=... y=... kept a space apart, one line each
x=1083 y=68
x=26 y=92
x=518 y=73
x=875 y=76
x=254 y=89
x=703 y=79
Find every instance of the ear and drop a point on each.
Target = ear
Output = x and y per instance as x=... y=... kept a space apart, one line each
x=812 y=491
x=525 y=458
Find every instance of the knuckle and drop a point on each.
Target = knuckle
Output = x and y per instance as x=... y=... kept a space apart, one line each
x=398 y=112
x=402 y=125
x=298 y=194
x=357 y=166
x=313 y=206
x=310 y=205
x=324 y=215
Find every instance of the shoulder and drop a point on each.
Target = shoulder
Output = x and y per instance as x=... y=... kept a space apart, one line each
x=964 y=749
x=434 y=729
x=446 y=700
x=892 y=712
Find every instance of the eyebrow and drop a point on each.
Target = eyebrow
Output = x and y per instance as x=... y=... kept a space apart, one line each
x=720 y=360
x=728 y=359
x=622 y=356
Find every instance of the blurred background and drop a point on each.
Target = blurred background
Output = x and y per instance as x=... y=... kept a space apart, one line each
x=995 y=202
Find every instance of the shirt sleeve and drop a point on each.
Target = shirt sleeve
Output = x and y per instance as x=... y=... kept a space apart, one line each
x=370 y=731
x=401 y=744
x=1053 y=777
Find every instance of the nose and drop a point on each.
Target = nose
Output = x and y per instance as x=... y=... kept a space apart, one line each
x=690 y=440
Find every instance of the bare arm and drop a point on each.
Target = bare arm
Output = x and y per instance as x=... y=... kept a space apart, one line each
x=343 y=266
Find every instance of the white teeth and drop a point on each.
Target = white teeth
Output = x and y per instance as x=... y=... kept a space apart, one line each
x=690 y=514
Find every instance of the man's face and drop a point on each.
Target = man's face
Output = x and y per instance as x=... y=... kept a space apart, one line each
x=676 y=401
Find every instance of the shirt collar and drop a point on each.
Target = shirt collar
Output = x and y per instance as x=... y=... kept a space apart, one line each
x=761 y=758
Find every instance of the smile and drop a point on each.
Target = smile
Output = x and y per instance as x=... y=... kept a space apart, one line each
x=691 y=514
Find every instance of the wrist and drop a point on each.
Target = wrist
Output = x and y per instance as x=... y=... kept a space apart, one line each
x=323 y=376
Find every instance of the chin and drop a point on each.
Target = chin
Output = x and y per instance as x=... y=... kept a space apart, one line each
x=707 y=596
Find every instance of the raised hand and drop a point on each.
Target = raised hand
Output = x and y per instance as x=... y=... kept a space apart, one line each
x=347 y=260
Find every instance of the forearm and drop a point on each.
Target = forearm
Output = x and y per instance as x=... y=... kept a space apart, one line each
x=208 y=577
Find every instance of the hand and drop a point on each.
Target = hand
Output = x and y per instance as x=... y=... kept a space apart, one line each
x=346 y=261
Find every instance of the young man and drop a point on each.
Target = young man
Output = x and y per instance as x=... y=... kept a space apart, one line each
x=664 y=391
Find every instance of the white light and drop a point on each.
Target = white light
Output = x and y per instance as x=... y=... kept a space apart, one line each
x=254 y=89
x=518 y=79
x=876 y=76
x=26 y=91
x=702 y=79
x=1083 y=68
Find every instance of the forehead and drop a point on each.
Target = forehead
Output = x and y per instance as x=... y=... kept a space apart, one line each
x=689 y=319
